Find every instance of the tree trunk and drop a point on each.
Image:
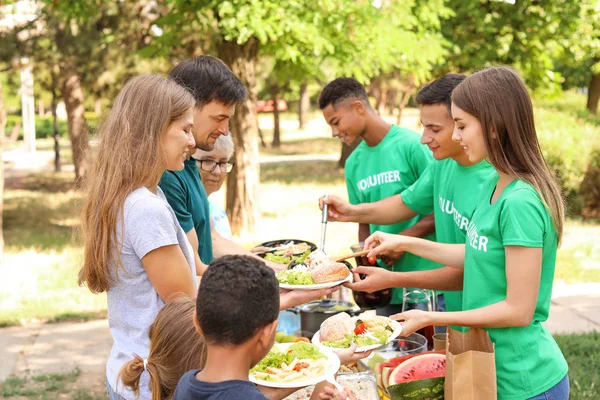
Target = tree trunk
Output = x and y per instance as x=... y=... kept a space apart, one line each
x=98 y=107
x=346 y=151
x=276 y=142
x=55 y=128
x=380 y=95
x=263 y=144
x=78 y=128
x=405 y=96
x=41 y=109
x=15 y=131
x=303 y=106
x=2 y=133
x=593 y=94
x=242 y=182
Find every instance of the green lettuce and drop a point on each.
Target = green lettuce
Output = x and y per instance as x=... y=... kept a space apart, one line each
x=275 y=358
x=292 y=277
x=360 y=340
x=281 y=259
x=277 y=259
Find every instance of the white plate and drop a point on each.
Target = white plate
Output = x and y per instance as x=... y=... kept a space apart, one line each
x=332 y=359
x=395 y=333
x=316 y=285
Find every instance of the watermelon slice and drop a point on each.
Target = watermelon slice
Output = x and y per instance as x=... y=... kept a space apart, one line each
x=424 y=366
x=423 y=389
x=385 y=375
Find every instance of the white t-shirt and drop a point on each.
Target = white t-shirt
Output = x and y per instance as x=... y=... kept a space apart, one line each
x=149 y=223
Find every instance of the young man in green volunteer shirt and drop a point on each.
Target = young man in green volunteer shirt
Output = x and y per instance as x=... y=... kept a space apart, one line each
x=388 y=161
x=448 y=188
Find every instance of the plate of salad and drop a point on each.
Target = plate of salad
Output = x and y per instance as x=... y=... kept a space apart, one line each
x=368 y=332
x=302 y=278
x=295 y=365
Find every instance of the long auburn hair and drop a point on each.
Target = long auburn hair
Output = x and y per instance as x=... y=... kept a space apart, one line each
x=498 y=98
x=175 y=348
x=129 y=156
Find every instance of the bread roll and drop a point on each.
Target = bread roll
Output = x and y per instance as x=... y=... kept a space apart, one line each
x=329 y=272
x=334 y=328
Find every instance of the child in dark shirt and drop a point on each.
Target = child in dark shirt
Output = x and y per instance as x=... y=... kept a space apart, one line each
x=236 y=313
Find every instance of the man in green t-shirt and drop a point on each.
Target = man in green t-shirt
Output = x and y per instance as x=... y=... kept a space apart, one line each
x=388 y=161
x=448 y=188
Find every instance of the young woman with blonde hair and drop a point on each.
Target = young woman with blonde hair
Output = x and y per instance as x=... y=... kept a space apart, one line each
x=134 y=248
x=510 y=253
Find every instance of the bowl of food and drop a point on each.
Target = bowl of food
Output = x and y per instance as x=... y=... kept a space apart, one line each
x=284 y=251
x=412 y=344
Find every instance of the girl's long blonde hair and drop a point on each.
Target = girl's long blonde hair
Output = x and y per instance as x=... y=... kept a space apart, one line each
x=498 y=98
x=129 y=157
x=175 y=348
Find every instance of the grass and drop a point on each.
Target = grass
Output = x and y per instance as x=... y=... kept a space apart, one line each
x=583 y=356
x=302 y=173
x=43 y=386
x=304 y=146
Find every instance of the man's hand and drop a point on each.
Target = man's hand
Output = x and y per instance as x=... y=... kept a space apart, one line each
x=291 y=298
x=339 y=209
x=376 y=279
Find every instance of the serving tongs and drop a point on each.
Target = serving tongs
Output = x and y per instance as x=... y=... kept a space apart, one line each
x=320 y=251
x=357 y=254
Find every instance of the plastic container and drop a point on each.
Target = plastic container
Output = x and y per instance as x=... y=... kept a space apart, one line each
x=412 y=344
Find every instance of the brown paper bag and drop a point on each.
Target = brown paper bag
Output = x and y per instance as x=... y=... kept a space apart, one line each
x=470 y=366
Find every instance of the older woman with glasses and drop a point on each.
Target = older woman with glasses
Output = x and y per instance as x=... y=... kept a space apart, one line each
x=214 y=166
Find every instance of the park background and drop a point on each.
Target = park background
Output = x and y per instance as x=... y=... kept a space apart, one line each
x=80 y=52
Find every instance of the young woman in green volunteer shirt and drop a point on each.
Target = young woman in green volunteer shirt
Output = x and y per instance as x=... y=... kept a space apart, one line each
x=510 y=251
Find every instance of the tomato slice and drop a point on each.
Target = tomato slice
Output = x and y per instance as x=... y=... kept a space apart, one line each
x=300 y=366
x=360 y=329
x=372 y=260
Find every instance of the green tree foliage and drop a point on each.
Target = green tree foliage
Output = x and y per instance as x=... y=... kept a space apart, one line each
x=579 y=61
x=526 y=35
x=360 y=38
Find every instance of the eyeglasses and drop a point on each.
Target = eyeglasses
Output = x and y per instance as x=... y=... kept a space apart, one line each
x=211 y=166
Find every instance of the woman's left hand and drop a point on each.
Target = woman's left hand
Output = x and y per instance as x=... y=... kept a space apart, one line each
x=349 y=355
x=413 y=320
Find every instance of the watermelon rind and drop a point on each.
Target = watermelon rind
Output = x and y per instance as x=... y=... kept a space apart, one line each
x=385 y=376
x=422 y=389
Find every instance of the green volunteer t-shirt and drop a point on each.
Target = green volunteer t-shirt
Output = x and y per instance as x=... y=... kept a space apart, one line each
x=528 y=360
x=384 y=170
x=186 y=195
x=450 y=191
